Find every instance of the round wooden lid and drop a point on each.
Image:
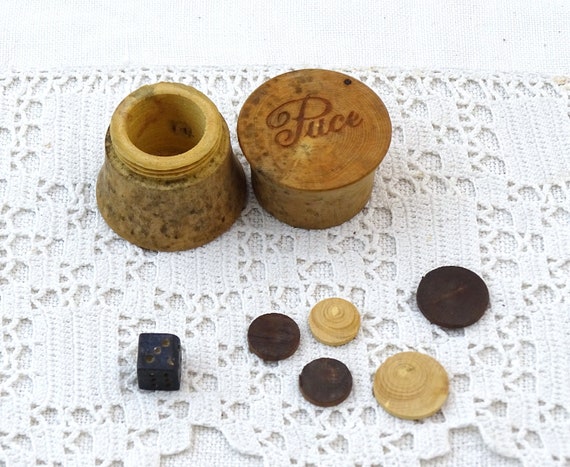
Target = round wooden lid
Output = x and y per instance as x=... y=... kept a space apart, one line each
x=411 y=385
x=334 y=321
x=314 y=130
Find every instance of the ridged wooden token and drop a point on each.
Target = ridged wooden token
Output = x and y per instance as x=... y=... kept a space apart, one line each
x=334 y=321
x=411 y=385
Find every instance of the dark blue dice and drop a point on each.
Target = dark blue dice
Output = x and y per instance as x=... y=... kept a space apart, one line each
x=158 y=364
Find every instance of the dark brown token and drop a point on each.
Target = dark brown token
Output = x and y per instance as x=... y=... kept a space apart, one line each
x=325 y=382
x=273 y=336
x=452 y=297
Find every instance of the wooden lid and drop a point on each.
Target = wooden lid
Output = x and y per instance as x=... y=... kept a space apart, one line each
x=334 y=321
x=411 y=385
x=314 y=130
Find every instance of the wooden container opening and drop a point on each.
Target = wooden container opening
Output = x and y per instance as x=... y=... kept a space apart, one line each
x=170 y=180
x=165 y=125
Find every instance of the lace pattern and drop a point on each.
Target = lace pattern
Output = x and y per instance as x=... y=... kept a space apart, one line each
x=478 y=175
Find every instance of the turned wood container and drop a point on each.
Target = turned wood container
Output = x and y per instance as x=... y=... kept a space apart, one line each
x=313 y=139
x=170 y=180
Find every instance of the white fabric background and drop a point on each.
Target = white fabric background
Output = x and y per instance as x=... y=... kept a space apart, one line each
x=509 y=35
x=83 y=36
x=477 y=174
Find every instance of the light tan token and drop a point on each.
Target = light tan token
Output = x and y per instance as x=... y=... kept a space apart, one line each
x=411 y=385
x=334 y=321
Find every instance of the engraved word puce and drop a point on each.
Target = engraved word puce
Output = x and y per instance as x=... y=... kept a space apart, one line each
x=309 y=116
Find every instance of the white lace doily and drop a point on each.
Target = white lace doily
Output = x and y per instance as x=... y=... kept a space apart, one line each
x=478 y=175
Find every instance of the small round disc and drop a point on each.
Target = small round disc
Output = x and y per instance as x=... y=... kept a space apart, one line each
x=452 y=296
x=273 y=336
x=411 y=385
x=334 y=321
x=325 y=382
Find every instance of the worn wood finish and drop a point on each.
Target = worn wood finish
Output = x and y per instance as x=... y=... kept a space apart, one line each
x=411 y=385
x=170 y=180
x=334 y=321
x=325 y=382
x=273 y=336
x=452 y=296
x=313 y=139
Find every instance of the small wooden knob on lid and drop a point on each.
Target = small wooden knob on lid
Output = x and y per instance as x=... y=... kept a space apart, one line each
x=334 y=321
x=411 y=385
x=313 y=139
